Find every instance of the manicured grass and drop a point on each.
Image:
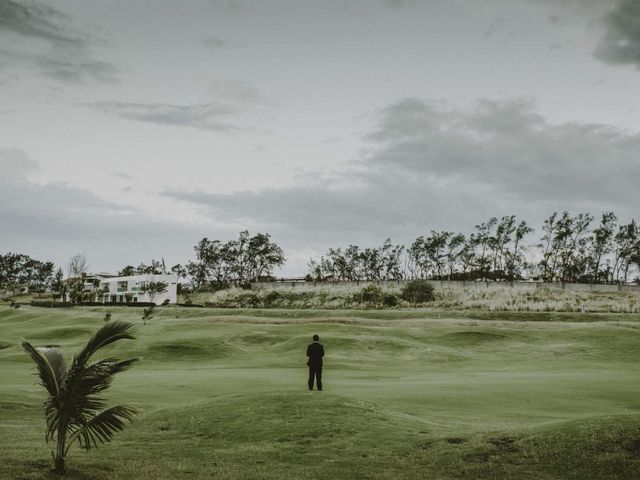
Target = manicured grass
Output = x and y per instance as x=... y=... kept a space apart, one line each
x=408 y=394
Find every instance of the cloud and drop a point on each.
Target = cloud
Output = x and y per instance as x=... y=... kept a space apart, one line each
x=621 y=43
x=234 y=104
x=55 y=220
x=397 y=3
x=236 y=92
x=39 y=37
x=207 y=116
x=31 y=19
x=78 y=70
x=216 y=43
x=427 y=166
x=123 y=176
x=510 y=148
x=16 y=163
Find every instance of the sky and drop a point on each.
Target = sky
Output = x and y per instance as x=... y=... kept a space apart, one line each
x=131 y=130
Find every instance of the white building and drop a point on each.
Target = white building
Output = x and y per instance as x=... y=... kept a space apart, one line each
x=91 y=281
x=134 y=289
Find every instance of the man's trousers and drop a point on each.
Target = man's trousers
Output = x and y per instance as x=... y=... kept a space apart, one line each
x=315 y=371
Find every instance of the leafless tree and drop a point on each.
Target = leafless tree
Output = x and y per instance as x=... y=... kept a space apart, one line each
x=77 y=265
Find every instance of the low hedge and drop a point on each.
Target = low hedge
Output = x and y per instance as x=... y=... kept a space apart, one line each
x=117 y=304
x=50 y=304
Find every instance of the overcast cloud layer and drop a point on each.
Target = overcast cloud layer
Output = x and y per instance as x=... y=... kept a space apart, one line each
x=42 y=38
x=429 y=167
x=131 y=131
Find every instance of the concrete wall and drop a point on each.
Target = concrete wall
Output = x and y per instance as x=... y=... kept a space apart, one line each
x=453 y=285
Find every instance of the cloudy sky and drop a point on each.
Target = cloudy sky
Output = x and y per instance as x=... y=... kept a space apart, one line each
x=130 y=130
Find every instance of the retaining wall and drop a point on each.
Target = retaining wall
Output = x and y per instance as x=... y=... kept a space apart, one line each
x=453 y=285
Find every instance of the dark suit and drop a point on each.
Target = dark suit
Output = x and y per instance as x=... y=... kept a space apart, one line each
x=315 y=352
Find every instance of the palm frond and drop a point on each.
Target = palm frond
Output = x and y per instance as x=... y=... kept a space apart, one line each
x=83 y=384
x=101 y=427
x=51 y=408
x=113 y=366
x=107 y=334
x=52 y=369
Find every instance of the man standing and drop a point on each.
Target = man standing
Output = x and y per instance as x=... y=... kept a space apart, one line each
x=315 y=352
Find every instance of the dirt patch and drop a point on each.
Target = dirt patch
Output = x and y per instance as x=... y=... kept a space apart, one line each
x=634 y=448
x=425 y=444
x=476 y=457
x=179 y=349
x=504 y=444
x=456 y=440
x=473 y=338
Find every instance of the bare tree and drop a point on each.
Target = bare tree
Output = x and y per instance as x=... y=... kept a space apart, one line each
x=77 y=265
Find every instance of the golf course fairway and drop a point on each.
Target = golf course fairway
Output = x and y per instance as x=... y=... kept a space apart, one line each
x=408 y=394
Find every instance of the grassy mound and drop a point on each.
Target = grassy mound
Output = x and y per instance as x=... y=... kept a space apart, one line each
x=313 y=435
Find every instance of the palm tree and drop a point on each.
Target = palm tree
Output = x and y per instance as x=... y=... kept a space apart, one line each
x=76 y=291
x=72 y=410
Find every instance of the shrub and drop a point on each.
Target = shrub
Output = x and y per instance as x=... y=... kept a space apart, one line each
x=371 y=294
x=272 y=298
x=418 y=291
x=248 y=299
x=390 y=300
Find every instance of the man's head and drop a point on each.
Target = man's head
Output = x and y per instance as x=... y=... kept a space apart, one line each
x=316 y=338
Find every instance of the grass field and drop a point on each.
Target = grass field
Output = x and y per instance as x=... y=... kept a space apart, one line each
x=409 y=394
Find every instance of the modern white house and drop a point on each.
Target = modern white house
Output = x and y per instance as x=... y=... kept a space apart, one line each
x=91 y=281
x=134 y=289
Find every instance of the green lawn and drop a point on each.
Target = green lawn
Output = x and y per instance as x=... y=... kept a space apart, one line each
x=408 y=394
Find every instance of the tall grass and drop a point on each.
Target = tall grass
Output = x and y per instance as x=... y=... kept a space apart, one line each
x=493 y=299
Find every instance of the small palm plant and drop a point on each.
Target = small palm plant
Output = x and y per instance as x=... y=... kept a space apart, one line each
x=148 y=314
x=73 y=411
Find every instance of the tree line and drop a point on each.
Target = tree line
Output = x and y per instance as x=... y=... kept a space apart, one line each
x=19 y=271
x=572 y=248
x=217 y=265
